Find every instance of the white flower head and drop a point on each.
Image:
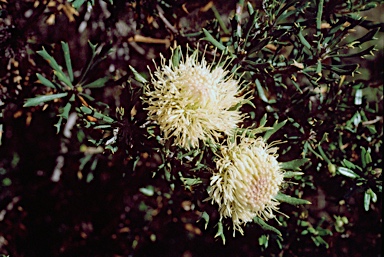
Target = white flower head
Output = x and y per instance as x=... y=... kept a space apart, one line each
x=192 y=100
x=248 y=178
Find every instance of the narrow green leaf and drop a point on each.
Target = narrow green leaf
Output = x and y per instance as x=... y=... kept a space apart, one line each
x=137 y=75
x=45 y=81
x=343 y=69
x=263 y=120
x=96 y=114
x=220 y=232
x=176 y=57
x=294 y=164
x=90 y=177
x=62 y=77
x=275 y=128
x=367 y=200
x=99 y=83
x=348 y=164
x=303 y=40
x=67 y=58
x=148 y=191
x=205 y=217
x=321 y=241
x=66 y=110
x=105 y=126
x=210 y=38
x=291 y=174
x=57 y=69
x=86 y=110
x=58 y=125
x=318 y=68
x=347 y=172
x=373 y=195
x=260 y=91
x=363 y=160
x=220 y=20
x=365 y=157
x=77 y=4
x=319 y=16
x=285 y=6
x=93 y=47
x=358 y=54
x=291 y=200
x=367 y=37
x=265 y=225
x=51 y=61
x=42 y=98
x=250 y=8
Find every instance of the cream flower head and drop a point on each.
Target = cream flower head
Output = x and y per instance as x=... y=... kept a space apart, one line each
x=248 y=178
x=192 y=100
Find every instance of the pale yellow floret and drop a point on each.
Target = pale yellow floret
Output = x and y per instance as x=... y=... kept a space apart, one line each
x=193 y=101
x=248 y=178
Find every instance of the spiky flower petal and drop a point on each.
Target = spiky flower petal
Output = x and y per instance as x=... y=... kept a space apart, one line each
x=248 y=178
x=193 y=101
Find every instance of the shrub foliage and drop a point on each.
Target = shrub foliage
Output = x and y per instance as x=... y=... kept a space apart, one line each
x=87 y=169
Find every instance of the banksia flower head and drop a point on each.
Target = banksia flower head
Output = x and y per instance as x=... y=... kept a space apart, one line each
x=192 y=100
x=248 y=178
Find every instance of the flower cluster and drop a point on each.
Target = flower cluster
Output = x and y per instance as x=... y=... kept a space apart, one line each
x=193 y=101
x=248 y=178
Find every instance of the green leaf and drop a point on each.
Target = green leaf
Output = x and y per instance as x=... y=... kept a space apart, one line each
x=210 y=38
x=318 y=240
x=220 y=232
x=343 y=69
x=373 y=196
x=347 y=172
x=365 y=157
x=367 y=37
x=62 y=77
x=260 y=91
x=66 y=110
x=291 y=174
x=191 y=181
x=291 y=200
x=45 y=81
x=58 y=125
x=137 y=76
x=367 y=200
x=176 y=57
x=266 y=226
x=78 y=3
x=263 y=120
x=303 y=40
x=275 y=128
x=358 y=54
x=205 y=217
x=250 y=8
x=96 y=114
x=57 y=69
x=148 y=191
x=51 y=61
x=294 y=164
x=67 y=58
x=93 y=47
x=42 y=98
x=319 y=16
x=348 y=164
x=99 y=83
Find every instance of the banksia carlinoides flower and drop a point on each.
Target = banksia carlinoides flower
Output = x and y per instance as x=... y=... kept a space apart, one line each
x=192 y=100
x=248 y=178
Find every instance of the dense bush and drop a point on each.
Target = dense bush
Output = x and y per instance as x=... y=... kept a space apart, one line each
x=171 y=128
